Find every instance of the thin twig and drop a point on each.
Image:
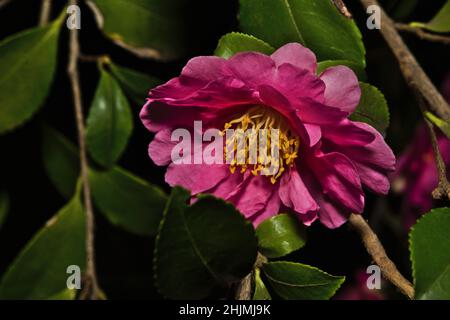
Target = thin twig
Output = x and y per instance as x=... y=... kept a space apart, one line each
x=244 y=289
x=378 y=254
x=413 y=73
x=91 y=289
x=443 y=188
x=423 y=34
x=46 y=8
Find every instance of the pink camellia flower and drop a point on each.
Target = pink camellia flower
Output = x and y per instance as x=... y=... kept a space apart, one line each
x=416 y=175
x=325 y=158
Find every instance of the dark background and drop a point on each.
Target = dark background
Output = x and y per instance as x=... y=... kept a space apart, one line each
x=124 y=261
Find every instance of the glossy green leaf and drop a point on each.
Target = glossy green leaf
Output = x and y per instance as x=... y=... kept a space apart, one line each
x=443 y=125
x=110 y=123
x=4 y=205
x=372 y=108
x=429 y=244
x=61 y=161
x=280 y=235
x=39 y=272
x=261 y=292
x=315 y=23
x=128 y=201
x=357 y=68
x=295 y=281
x=135 y=84
x=201 y=247
x=149 y=28
x=27 y=63
x=235 y=42
x=440 y=22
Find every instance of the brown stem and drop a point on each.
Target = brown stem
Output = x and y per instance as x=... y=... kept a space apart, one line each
x=443 y=188
x=379 y=256
x=244 y=289
x=342 y=8
x=423 y=34
x=91 y=289
x=412 y=71
x=46 y=8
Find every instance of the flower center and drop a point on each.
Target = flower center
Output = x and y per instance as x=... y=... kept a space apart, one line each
x=260 y=141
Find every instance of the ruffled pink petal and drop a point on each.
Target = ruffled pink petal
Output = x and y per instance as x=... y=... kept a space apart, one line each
x=294 y=194
x=160 y=148
x=331 y=214
x=296 y=55
x=271 y=209
x=229 y=186
x=253 y=196
x=342 y=88
x=273 y=98
x=206 y=68
x=373 y=161
x=223 y=92
x=348 y=133
x=339 y=179
x=308 y=218
x=314 y=132
x=317 y=113
x=297 y=83
x=192 y=176
x=157 y=116
x=252 y=68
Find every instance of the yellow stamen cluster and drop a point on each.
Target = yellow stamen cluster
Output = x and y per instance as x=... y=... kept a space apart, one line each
x=253 y=141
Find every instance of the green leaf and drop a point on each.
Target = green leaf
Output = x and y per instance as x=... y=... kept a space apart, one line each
x=149 y=28
x=443 y=125
x=201 y=247
x=357 y=68
x=135 y=84
x=27 y=63
x=295 y=281
x=429 y=244
x=440 y=22
x=315 y=23
x=261 y=292
x=235 y=42
x=66 y=294
x=280 y=235
x=61 y=161
x=110 y=123
x=128 y=201
x=4 y=205
x=372 y=108
x=39 y=272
